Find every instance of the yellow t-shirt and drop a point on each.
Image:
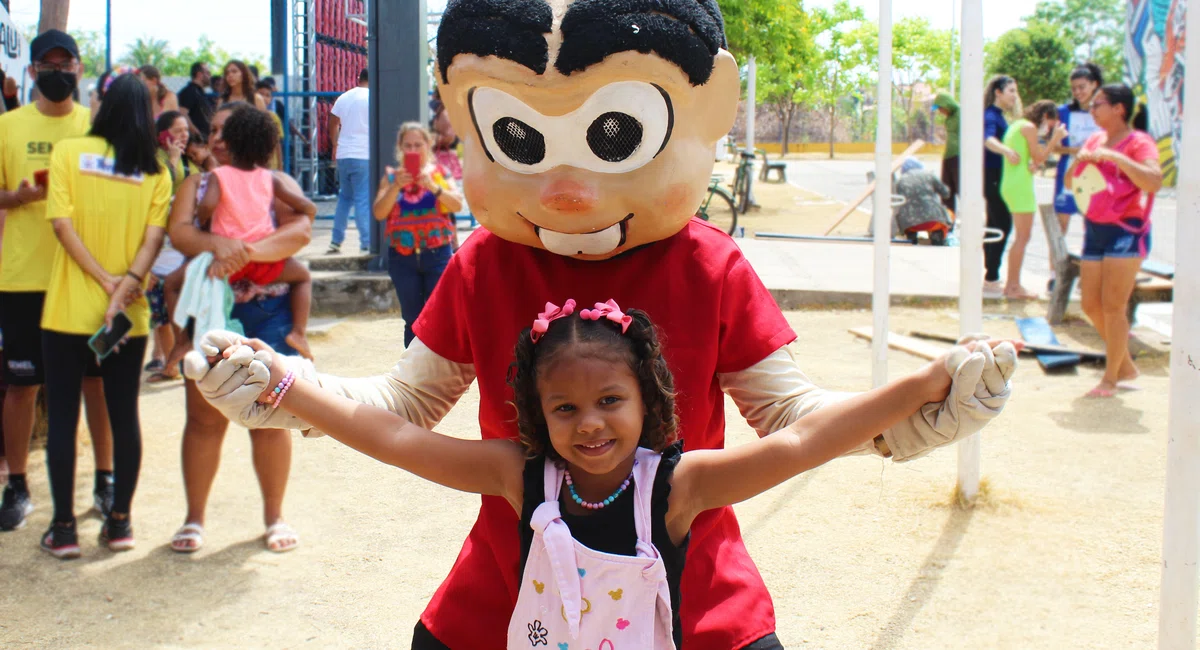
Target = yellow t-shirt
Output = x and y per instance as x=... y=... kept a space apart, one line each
x=110 y=214
x=26 y=139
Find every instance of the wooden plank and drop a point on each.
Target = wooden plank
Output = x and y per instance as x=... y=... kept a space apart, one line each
x=1038 y=332
x=851 y=207
x=913 y=346
x=1030 y=348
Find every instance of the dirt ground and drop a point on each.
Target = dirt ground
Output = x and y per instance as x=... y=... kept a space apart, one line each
x=1063 y=551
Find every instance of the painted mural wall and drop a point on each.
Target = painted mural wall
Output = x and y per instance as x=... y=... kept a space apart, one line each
x=1154 y=69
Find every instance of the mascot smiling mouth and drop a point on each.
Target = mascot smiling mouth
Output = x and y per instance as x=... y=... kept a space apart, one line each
x=601 y=242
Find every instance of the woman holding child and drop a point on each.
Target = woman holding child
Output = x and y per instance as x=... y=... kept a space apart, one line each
x=268 y=317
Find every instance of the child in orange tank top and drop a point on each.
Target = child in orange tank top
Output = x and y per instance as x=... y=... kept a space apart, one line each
x=237 y=205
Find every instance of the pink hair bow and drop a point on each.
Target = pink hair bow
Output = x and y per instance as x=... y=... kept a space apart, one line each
x=553 y=312
x=609 y=310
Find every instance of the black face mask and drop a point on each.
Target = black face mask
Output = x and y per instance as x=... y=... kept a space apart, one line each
x=56 y=86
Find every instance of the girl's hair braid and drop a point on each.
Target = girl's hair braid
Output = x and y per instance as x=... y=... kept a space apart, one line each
x=639 y=347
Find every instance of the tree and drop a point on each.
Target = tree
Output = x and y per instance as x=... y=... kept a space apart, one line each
x=920 y=55
x=839 y=61
x=1037 y=56
x=147 y=51
x=1093 y=29
x=91 y=52
x=53 y=15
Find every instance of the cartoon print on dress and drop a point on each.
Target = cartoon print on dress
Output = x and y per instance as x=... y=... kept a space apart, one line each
x=582 y=572
x=616 y=595
x=606 y=645
x=622 y=624
x=587 y=607
x=539 y=586
x=563 y=646
x=538 y=634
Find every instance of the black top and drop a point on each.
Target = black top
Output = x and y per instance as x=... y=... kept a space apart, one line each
x=612 y=529
x=199 y=106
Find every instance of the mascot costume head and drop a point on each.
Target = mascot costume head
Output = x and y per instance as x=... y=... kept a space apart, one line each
x=589 y=126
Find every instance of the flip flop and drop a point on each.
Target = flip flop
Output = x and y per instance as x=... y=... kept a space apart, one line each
x=281 y=538
x=154 y=366
x=1100 y=392
x=190 y=532
x=162 y=378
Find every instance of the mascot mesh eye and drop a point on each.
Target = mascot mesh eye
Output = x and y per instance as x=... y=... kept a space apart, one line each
x=614 y=137
x=519 y=141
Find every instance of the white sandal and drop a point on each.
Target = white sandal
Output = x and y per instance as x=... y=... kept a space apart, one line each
x=192 y=533
x=281 y=538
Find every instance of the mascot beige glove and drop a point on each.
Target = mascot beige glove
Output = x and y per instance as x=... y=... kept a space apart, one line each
x=233 y=385
x=980 y=387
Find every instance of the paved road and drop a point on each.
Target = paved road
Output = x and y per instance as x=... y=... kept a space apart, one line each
x=845 y=180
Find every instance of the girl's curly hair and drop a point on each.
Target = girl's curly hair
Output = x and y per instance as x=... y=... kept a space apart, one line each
x=639 y=347
x=251 y=136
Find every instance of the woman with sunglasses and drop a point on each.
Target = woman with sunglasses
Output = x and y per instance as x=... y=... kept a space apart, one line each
x=1117 y=235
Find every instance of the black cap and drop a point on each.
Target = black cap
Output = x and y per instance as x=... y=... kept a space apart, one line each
x=49 y=40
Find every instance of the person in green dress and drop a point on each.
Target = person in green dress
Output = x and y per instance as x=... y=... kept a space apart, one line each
x=1040 y=121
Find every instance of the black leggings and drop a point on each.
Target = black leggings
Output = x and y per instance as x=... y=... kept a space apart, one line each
x=424 y=640
x=998 y=217
x=67 y=357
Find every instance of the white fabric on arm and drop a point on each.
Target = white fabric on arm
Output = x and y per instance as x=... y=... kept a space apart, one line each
x=773 y=393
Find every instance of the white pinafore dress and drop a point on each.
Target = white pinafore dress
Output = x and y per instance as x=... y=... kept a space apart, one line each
x=575 y=598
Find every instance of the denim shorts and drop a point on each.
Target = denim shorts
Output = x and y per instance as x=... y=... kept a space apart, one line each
x=268 y=319
x=1101 y=240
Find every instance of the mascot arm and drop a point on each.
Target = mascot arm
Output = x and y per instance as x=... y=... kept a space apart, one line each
x=422 y=387
x=773 y=393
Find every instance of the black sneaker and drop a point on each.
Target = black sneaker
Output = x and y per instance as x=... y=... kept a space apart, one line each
x=334 y=249
x=103 y=497
x=15 y=507
x=117 y=534
x=61 y=541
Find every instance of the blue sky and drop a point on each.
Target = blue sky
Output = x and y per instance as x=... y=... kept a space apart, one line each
x=242 y=26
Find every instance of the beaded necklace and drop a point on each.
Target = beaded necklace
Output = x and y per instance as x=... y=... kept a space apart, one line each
x=599 y=504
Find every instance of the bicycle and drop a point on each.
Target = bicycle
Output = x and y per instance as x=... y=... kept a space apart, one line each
x=718 y=207
x=743 y=181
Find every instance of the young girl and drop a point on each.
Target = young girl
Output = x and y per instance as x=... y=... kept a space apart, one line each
x=605 y=495
x=1040 y=120
x=238 y=205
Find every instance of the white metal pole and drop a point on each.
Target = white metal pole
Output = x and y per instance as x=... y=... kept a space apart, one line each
x=1181 y=522
x=880 y=301
x=971 y=213
x=953 y=33
x=751 y=100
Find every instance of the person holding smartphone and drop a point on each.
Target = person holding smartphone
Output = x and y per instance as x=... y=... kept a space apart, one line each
x=418 y=202
x=107 y=202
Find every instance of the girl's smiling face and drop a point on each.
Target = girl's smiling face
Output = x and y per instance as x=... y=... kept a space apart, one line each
x=594 y=411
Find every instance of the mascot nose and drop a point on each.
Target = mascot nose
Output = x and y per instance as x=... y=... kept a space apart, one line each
x=569 y=196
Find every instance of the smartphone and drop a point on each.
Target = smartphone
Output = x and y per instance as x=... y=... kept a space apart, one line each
x=41 y=178
x=103 y=342
x=412 y=163
x=164 y=139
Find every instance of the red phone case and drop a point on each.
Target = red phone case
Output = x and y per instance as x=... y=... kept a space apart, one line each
x=412 y=164
x=41 y=177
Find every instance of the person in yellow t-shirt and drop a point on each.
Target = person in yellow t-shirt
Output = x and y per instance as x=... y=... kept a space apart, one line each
x=107 y=203
x=27 y=136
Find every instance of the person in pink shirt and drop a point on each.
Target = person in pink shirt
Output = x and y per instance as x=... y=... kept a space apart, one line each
x=238 y=205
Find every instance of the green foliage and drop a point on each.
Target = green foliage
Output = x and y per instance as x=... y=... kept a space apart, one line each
x=1095 y=29
x=769 y=30
x=1038 y=56
x=147 y=51
x=920 y=55
x=840 y=61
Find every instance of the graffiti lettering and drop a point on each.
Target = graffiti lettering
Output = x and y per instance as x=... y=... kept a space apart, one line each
x=10 y=41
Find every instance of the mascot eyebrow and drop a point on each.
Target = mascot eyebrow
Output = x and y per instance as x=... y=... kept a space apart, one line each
x=510 y=29
x=688 y=33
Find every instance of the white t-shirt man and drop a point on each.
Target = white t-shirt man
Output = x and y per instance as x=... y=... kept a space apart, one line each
x=353 y=108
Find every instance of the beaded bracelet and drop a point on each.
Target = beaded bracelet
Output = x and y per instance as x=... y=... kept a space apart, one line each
x=284 y=385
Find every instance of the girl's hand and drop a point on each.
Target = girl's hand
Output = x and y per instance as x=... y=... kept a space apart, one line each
x=1059 y=134
x=110 y=283
x=126 y=292
x=175 y=150
x=1013 y=157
